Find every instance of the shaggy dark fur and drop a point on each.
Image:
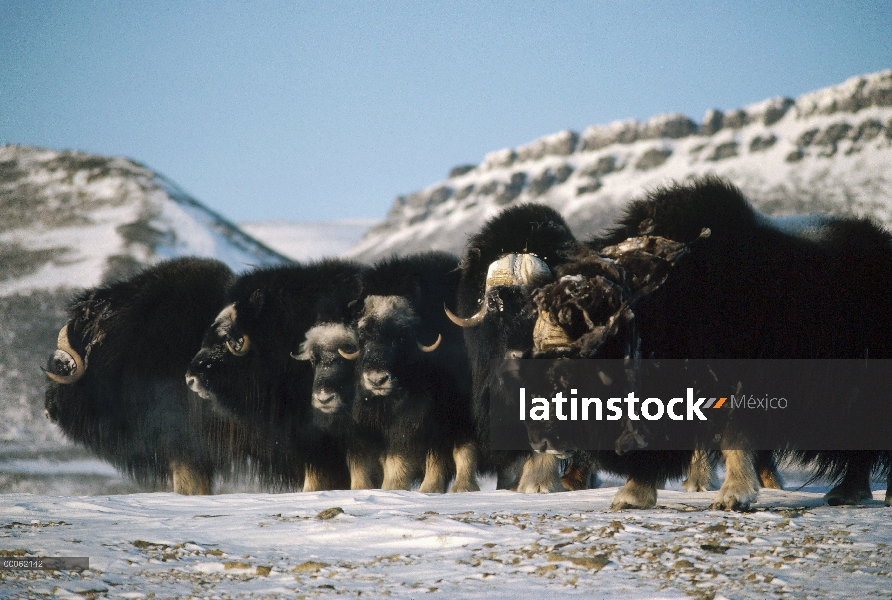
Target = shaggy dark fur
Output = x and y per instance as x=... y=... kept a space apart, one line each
x=593 y=299
x=266 y=389
x=507 y=326
x=132 y=406
x=333 y=395
x=412 y=404
x=759 y=288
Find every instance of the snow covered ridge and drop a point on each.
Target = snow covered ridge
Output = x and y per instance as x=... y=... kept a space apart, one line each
x=828 y=151
x=71 y=219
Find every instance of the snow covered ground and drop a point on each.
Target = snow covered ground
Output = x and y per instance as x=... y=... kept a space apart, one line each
x=481 y=545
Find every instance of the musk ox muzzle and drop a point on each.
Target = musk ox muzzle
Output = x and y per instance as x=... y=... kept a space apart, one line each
x=511 y=270
x=66 y=365
x=327 y=401
x=379 y=382
x=194 y=384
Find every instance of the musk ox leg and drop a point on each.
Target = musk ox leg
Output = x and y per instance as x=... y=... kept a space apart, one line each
x=741 y=485
x=323 y=477
x=436 y=475
x=313 y=480
x=191 y=480
x=329 y=473
x=578 y=473
x=465 y=456
x=888 y=501
x=635 y=494
x=366 y=471
x=397 y=472
x=541 y=475
x=766 y=467
x=507 y=478
x=855 y=484
x=701 y=473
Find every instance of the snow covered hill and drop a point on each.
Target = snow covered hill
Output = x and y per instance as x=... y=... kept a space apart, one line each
x=74 y=219
x=70 y=220
x=829 y=151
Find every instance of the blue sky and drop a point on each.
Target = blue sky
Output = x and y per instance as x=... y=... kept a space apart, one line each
x=326 y=110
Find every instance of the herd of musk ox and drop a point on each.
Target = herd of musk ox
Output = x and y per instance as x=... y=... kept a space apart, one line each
x=338 y=375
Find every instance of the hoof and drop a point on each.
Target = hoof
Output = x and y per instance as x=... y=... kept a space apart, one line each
x=733 y=504
x=432 y=490
x=540 y=475
x=634 y=495
x=465 y=486
x=541 y=487
x=771 y=479
x=572 y=484
x=839 y=496
x=695 y=486
x=729 y=498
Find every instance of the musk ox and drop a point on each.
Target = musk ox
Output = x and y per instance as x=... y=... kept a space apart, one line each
x=412 y=400
x=244 y=366
x=332 y=350
x=754 y=288
x=116 y=380
x=512 y=255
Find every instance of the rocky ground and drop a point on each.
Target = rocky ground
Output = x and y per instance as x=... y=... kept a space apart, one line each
x=481 y=545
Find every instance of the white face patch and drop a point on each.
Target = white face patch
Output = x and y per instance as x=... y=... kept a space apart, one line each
x=224 y=320
x=329 y=337
x=393 y=308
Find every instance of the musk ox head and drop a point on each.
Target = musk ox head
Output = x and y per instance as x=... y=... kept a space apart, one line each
x=389 y=346
x=83 y=334
x=212 y=373
x=513 y=254
x=66 y=365
x=244 y=365
x=511 y=270
x=332 y=350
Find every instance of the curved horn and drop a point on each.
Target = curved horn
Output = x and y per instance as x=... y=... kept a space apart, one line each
x=80 y=366
x=433 y=346
x=349 y=355
x=243 y=349
x=471 y=321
